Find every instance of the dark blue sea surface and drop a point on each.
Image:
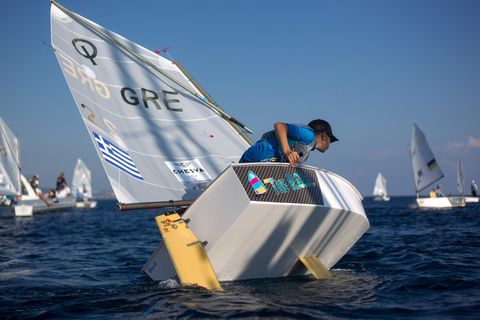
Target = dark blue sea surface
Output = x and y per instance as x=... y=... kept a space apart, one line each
x=86 y=264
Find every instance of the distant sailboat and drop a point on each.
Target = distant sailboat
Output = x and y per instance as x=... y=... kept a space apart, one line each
x=460 y=178
x=10 y=181
x=461 y=184
x=82 y=186
x=426 y=172
x=380 y=189
x=30 y=197
x=164 y=142
x=25 y=200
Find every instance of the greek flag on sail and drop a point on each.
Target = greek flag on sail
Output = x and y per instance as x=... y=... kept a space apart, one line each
x=116 y=156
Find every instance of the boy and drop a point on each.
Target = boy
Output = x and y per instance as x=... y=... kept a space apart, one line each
x=291 y=143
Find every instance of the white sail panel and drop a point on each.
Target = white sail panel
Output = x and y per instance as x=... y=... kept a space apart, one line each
x=426 y=170
x=156 y=140
x=6 y=185
x=82 y=180
x=9 y=161
x=380 y=189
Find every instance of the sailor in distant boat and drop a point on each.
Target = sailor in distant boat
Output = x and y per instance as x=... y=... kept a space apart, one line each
x=291 y=143
x=62 y=189
x=35 y=183
x=474 y=188
x=439 y=192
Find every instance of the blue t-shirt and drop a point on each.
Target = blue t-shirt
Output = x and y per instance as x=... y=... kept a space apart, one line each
x=300 y=138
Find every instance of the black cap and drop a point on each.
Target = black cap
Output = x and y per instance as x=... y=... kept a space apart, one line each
x=320 y=125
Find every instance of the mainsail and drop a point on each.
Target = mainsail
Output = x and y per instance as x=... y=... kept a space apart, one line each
x=380 y=189
x=158 y=137
x=9 y=161
x=426 y=170
x=82 y=180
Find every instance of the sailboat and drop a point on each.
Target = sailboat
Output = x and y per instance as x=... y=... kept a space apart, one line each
x=30 y=197
x=426 y=172
x=460 y=178
x=380 y=189
x=473 y=197
x=82 y=186
x=165 y=143
x=461 y=184
x=23 y=199
x=10 y=176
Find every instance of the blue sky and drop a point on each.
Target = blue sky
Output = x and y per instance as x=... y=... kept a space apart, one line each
x=371 y=68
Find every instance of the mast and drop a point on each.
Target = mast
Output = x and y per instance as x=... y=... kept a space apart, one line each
x=210 y=99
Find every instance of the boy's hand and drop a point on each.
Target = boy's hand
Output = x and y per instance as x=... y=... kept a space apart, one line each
x=292 y=157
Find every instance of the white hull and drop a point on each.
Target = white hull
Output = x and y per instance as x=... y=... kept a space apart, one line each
x=441 y=202
x=257 y=239
x=39 y=206
x=384 y=198
x=86 y=204
x=471 y=199
x=22 y=210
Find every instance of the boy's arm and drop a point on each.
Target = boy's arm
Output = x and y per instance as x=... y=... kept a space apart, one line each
x=281 y=131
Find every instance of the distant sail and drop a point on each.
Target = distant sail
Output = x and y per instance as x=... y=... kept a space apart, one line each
x=9 y=161
x=6 y=185
x=426 y=170
x=155 y=136
x=460 y=178
x=82 y=180
x=380 y=189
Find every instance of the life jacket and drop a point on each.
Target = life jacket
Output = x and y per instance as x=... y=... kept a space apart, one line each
x=300 y=148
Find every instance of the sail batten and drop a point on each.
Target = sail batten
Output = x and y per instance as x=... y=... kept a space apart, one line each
x=153 y=134
x=426 y=170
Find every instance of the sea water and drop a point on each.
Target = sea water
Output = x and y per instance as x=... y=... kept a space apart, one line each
x=86 y=264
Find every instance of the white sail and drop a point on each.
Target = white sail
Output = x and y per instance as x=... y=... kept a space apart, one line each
x=6 y=185
x=426 y=170
x=82 y=180
x=155 y=133
x=380 y=189
x=460 y=178
x=9 y=161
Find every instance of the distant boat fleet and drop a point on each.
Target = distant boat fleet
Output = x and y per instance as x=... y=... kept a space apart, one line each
x=24 y=197
x=426 y=172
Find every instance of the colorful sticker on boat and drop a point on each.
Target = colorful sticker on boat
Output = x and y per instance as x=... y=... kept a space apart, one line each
x=279 y=183
x=256 y=184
